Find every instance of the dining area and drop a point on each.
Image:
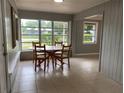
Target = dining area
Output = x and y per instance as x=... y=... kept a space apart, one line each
x=61 y=46
x=55 y=54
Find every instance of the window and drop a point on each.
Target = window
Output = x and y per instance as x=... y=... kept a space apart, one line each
x=61 y=32
x=90 y=33
x=45 y=31
x=29 y=32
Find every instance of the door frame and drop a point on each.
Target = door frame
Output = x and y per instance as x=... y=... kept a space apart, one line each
x=101 y=39
x=2 y=10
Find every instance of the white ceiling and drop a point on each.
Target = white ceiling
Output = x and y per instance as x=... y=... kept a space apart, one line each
x=67 y=7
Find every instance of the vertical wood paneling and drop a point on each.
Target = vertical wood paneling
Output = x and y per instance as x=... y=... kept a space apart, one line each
x=73 y=37
x=113 y=38
x=119 y=70
x=106 y=41
x=117 y=34
x=111 y=60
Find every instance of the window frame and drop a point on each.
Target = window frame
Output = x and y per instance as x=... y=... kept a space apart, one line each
x=22 y=35
x=96 y=32
x=68 y=36
x=46 y=30
x=40 y=32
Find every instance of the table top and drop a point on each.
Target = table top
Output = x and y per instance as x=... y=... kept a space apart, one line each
x=53 y=48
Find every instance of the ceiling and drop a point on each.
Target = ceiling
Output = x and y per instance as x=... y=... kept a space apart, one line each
x=67 y=7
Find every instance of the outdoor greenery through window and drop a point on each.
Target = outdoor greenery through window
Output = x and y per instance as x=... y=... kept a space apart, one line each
x=45 y=31
x=29 y=32
x=61 y=32
x=90 y=33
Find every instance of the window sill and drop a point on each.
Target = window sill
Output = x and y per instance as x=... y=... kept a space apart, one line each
x=29 y=50
x=90 y=44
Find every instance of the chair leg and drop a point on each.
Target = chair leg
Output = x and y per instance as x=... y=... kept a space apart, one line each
x=35 y=65
x=55 y=63
x=33 y=58
x=39 y=63
x=45 y=66
x=62 y=64
x=68 y=62
x=48 y=62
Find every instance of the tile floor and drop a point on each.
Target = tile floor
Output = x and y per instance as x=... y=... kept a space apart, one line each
x=82 y=77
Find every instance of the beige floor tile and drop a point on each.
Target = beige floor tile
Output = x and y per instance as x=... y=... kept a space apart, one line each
x=30 y=91
x=48 y=91
x=82 y=77
x=105 y=86
x=24 y=86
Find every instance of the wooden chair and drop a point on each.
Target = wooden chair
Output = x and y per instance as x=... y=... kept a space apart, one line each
x=33 y=47
x=40 y=56
x=65 y=54
x=58 y=43
x=35 y=43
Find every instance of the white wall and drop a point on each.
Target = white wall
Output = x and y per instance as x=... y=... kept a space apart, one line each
x=112 y=54
x=12 y=54
x=44 y=15
x=77 y=32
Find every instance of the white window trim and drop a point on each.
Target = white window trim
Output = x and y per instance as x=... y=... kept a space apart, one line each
x=96 y=32
x=39 y=20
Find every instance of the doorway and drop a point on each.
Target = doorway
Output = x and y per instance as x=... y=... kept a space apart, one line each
x=92 y=35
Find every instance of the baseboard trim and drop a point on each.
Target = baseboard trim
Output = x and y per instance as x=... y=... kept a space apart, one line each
x=82 y=54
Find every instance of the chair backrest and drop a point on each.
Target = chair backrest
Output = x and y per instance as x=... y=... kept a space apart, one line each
x=66 y=50
x=40 y=50
x=35 y=43
x=58 y=43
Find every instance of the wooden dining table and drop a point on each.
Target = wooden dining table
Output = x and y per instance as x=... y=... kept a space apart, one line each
x=51 y=50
